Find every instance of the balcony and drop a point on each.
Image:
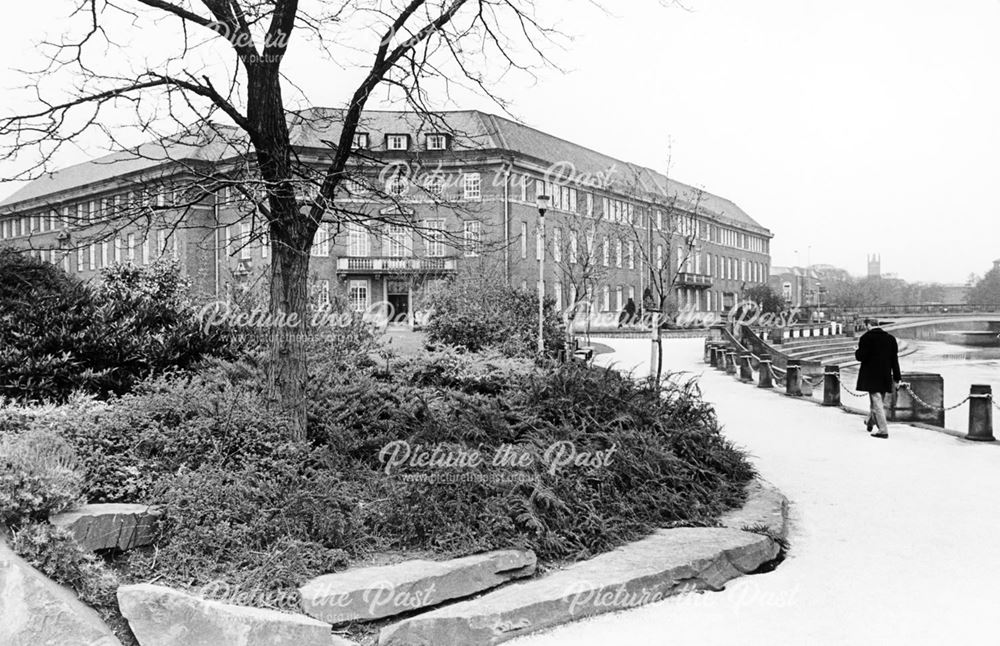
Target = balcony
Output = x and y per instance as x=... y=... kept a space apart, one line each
x=690 y=279
x=382 y=265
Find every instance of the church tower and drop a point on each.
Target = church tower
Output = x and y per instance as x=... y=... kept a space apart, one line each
x=875 y=266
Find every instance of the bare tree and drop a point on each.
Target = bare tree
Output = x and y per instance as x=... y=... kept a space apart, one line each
x=664 y=237
x=579 y=249
x=239 y=113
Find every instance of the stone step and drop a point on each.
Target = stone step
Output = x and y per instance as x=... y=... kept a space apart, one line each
x=667 y=563
x=364 y=594
x=162 y=616
x=109 y=526
x=851 y=343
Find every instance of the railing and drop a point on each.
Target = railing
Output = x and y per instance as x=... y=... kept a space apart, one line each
x=920 y=397
x=393 y=265
x=690 y=279
x=929 y=308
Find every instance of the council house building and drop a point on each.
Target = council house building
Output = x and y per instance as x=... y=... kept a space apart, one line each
x=426 y=196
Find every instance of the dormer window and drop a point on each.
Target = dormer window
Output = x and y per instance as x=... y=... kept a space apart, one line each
x=437 y=142
x=360 y=140
x=397 y=142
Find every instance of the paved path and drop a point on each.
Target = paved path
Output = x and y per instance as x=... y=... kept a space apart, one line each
x=892 y=541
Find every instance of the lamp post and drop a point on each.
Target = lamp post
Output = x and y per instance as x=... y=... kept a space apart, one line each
x=542 y=201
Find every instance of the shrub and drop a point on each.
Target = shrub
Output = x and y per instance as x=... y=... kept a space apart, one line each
x=477 y=310
x=266 y=526
x=58 y=335
x=38 y=476
x=671 y=464
x=55 y=552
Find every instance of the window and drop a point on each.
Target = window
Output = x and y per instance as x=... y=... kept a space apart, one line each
x=557 y=244
x=524 y=187
x=79 y=259
x=472 y=238
x=524 y=240
x=437 y=142
x=92 y=258
x=606 y=252
x=323 y=298
x=245 y=241
x=434 y=185
x=659 y=220
x=357 y=293
x=355 y=187
x=360 y=140
x=573 y=247
x=130 y=247
x=118 y=249
x=397 y=142
x=572 y=295
x=558 y=296
x=104 y=254
x=472 y=186
x=590 y=205
x=397 y=186
x=321 y=244
x=619 y=304
x=145 y=249
x=605 y=298
x=659 y=257
x=618 y=254
x=434 y=238
x=631 y=255
x=357 y=241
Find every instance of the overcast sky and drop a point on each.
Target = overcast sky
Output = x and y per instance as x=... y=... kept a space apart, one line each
x=846 y=128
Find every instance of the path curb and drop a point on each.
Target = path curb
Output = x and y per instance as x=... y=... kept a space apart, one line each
x=667 y=563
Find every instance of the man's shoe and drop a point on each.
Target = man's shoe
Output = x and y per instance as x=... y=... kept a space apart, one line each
x=880 y=435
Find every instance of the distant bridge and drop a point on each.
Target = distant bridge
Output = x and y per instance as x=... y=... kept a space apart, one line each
x=923 y=311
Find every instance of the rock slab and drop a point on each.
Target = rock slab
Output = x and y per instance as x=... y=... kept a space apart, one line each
x=36 y=611
x=107 y=526
x=669 y=562
x=162 y=616
x=369 y=593
x=765 y=508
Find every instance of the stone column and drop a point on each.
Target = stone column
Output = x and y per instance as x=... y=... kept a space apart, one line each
x=764 y=378
x=980 y=414
x=831 y=385
x=730 y=362
x=746 y=370
x=793 y=379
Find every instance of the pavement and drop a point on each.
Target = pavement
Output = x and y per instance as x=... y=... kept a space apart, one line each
x=891 y=541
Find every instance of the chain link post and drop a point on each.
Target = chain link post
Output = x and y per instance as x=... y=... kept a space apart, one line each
x=730 y=362
x=831 y=385
x=746 y=370
x=793 y=381
x=980 y=414
x=764 y=379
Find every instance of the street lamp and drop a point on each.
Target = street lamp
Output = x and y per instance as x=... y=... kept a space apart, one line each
x=542 y=202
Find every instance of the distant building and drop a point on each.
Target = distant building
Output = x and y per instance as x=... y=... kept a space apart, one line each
x=798 y=286
x=480 y=197
x=875 y=266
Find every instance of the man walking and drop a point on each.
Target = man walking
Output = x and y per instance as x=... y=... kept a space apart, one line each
x=879 y=374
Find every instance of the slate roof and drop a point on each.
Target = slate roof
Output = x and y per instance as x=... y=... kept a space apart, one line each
x=470 y=130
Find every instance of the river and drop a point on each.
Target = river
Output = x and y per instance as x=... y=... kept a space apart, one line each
x=961 y=366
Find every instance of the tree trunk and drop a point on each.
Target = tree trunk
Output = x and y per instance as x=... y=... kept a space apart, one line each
x=289 y=305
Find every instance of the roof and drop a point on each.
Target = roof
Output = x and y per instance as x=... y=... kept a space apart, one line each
x=470 y=130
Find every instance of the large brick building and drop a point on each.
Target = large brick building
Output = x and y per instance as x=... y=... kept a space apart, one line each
x=430 y=195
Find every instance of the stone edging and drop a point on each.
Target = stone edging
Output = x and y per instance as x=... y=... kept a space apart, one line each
x=669 y=562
